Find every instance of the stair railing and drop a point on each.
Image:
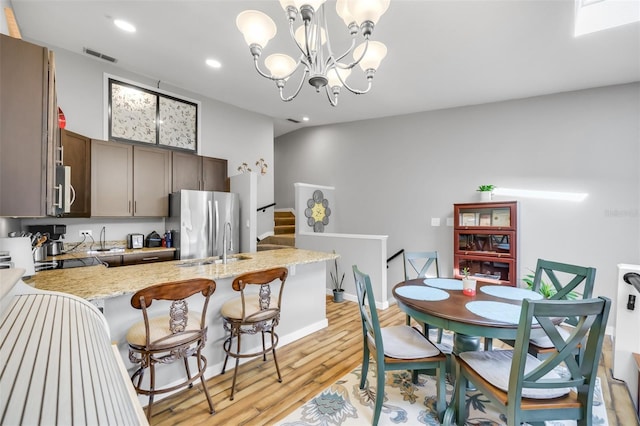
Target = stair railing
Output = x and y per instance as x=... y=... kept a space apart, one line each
x=264 y=208
x=398 y=253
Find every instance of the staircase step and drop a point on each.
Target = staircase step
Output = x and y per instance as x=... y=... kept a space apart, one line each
x=280 y=221
x=264 y=247
x=279 y=214
x=285 y=229
x=288 y=240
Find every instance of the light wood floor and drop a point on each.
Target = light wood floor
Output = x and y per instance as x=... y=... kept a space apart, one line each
x=311 y=364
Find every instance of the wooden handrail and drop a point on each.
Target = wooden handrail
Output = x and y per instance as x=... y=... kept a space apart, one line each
x=264 y=208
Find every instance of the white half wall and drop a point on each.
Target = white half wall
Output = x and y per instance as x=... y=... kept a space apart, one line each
x=368 y=252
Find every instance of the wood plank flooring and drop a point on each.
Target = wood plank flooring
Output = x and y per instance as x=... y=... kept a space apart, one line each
x=311 y=364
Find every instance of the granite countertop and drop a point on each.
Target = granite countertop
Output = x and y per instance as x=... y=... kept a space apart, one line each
x=99 y=282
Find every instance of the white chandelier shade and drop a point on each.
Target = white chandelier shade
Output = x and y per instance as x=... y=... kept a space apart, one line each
x=256 y=27
x=319 y=66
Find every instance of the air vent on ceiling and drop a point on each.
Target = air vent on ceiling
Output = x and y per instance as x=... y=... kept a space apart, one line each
x=99 y=55
x=293 y=120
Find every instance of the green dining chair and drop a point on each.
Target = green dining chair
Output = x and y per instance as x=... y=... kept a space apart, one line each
x=398 y=347
x=527 y=389
x=559 y=281
x=422 y=264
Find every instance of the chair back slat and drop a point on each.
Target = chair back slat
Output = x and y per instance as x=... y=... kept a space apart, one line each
x=565 y=278
x=592 y=315
x=368 y=312
x=417 y=264
x=264 y=279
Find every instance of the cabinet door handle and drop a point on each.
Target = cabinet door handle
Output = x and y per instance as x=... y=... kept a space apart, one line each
x=135 y=207
x=146 y=259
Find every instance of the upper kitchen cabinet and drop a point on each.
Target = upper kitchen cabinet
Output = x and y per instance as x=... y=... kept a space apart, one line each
x=129 y=180
x=76 y=153
x=28 y=129
x=190 y=171
x=214 y=174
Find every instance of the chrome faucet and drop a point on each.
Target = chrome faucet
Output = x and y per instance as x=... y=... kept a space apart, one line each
x=226 y=238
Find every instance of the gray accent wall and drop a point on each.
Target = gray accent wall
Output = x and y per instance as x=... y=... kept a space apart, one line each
x=393 y=175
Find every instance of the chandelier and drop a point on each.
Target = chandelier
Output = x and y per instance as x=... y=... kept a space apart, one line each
x=319 y=65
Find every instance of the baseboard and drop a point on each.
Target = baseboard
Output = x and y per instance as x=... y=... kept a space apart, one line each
x=265 y=235
x=353 y=298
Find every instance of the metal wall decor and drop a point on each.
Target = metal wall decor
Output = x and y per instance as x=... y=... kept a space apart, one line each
x=317 y=211
x=137 y=114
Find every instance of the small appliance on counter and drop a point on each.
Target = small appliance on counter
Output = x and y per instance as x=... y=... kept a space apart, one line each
x=154 y=240
x=135 y=241
x=55 y=232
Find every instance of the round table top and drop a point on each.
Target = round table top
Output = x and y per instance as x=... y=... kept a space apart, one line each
x=496 y=311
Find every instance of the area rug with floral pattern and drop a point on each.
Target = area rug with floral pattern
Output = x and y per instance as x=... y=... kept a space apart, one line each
x=344 y=403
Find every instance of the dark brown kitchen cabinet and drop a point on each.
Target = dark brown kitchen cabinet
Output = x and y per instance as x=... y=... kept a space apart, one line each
x=28 y=129
x=141 y=258
x=76 y=153
x=214 y=174
x=111 y=261
x=190 y=171
x=129 y=180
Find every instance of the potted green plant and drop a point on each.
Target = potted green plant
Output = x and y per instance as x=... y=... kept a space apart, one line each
x=338 y=291
x=546 y=289
x=486 y=192
x=468 y=283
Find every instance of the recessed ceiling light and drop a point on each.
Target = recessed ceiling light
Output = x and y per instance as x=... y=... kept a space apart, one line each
x=124 y=25
x=305 y=118
x=213 y=63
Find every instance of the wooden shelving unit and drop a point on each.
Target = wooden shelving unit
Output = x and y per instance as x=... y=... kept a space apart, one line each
x=485 y=240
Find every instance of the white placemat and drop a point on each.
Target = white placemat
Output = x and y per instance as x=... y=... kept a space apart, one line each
x=511 y=293
x=444 y=283
x=419 y=292
x=497 y=311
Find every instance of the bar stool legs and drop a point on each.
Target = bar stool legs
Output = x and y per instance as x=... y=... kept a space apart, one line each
x=257 y=310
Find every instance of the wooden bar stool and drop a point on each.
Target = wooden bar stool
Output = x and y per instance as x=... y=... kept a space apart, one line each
x=165 y=339
x=253 y=312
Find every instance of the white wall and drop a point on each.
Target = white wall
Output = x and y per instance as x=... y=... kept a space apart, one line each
x=392 y=175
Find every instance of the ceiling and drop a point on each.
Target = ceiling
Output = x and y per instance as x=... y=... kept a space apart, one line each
x=441 y=54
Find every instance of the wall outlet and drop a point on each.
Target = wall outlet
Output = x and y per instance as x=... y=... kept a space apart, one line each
x=86 y=232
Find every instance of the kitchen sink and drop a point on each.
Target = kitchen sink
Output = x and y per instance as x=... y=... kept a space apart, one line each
x=213 y=261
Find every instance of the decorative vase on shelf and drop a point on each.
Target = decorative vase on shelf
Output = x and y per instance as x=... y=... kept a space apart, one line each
x=486 y=196
x=486 y=192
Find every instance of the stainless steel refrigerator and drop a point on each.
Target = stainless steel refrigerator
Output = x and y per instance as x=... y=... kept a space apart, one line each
x=198 y=220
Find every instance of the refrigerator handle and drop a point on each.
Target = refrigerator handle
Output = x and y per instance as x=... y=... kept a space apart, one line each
x=217 y=225
x=210 y=230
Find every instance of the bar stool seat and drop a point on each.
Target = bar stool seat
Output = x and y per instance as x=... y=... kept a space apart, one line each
x=255 y=311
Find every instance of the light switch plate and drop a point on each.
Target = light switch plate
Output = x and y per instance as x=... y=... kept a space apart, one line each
x=435 y=221
x=449 y=221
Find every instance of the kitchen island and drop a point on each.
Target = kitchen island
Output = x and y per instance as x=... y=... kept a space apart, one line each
x=303 y=306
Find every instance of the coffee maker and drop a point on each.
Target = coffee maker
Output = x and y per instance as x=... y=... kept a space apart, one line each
x=54 y=234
